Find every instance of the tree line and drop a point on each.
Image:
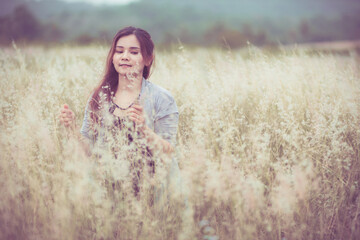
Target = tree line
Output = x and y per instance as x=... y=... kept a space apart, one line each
x=23 y=26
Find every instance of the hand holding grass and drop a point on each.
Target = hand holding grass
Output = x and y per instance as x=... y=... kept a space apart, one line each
x=67 y=117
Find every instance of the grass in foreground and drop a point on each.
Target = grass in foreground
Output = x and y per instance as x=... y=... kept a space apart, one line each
x=268 y=146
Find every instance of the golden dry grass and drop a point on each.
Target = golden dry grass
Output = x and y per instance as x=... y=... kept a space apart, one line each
x=268 y=147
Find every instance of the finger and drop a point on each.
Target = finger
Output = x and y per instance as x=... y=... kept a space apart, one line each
x=62 y=118
x=133 y=115
x=68 y=123
x=136 y=115
x=133 y=119
x=137 y=118
x=134 y=111
x=136 y=121
x=63 y=110
x=137 y=107
x=64 y=115
x=69 y=114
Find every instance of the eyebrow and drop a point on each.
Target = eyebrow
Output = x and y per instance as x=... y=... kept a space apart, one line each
x=134 y=48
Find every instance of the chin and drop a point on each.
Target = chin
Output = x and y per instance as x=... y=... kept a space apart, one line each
x=129 y=74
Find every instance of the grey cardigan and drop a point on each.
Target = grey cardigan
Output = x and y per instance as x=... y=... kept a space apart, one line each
x=160 y=110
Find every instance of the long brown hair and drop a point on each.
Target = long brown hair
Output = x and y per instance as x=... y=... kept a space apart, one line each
x=108 y=84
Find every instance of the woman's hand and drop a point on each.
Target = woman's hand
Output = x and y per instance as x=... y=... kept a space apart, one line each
x=67 y=117
x=136 y=114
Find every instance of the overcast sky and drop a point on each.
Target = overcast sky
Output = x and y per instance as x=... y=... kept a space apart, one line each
x=98 y=2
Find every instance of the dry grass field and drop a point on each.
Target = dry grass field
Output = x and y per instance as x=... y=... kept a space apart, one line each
x=268 y=148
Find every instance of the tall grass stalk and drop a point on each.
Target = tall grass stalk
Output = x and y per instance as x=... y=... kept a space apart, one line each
x=268 y=147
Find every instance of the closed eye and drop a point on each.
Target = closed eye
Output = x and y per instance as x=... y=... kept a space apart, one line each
x=120 y=51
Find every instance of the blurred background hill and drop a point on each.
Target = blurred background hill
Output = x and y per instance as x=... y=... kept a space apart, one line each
x=200 y=22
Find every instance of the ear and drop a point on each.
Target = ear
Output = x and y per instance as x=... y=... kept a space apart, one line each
x=149 y=61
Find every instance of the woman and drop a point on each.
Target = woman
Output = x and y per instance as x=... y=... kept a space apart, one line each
x=126 y=104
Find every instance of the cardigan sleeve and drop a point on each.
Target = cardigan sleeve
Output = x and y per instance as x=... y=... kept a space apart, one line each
x=86 y=129
x=166 y=118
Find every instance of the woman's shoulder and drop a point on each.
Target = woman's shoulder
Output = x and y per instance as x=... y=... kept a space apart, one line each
x=164 y=102
x=158 y=92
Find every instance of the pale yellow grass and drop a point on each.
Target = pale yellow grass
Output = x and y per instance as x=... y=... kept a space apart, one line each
x=268 y=146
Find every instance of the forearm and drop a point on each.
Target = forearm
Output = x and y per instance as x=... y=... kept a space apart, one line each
x=156 y=142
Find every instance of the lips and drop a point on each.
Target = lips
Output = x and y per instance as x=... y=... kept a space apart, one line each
x=125 y=65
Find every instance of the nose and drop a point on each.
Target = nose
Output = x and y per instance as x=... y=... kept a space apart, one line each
x=125 y=56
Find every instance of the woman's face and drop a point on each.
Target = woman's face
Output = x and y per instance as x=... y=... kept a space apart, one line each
x=127 y=58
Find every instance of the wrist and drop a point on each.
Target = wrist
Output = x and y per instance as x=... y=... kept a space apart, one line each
x=147 y=133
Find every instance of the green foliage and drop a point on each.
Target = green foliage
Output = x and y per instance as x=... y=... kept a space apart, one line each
x=22 y=26
x=206 y=23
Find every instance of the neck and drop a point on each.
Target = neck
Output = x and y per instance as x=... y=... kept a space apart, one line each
x=129 y=83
